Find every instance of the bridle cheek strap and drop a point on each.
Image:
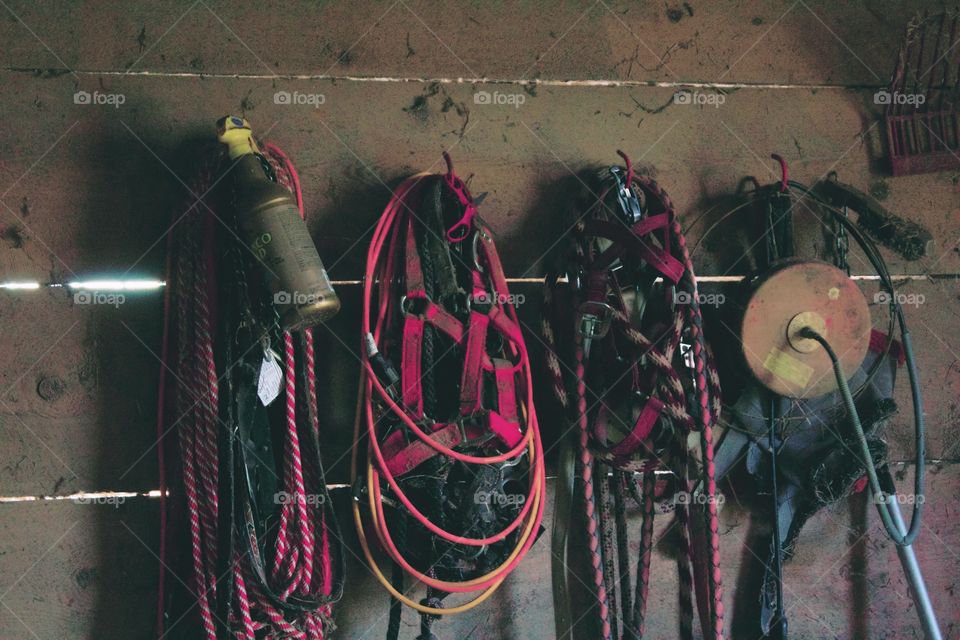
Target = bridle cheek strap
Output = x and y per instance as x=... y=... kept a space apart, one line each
x=641 y=429
x=411 y=363
x=630 y=240
x=402 y=457
x=471 y=379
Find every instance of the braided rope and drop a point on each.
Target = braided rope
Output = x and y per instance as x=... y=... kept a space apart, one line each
x=608 y=540
x=623 y=549
x=550 y=338
x=646 y=554
x=243 y=600
x=586 y=475
x=206 y=437
x=684 y=569
x=707 y=385
x=302 y=558
x=202 y=530
x=658 y=354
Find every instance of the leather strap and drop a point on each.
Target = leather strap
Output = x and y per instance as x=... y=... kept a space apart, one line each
x=631 y=239
x=402 y=456
x=505 y=374
x=641 y=429
x=471 y=336
x=411 y=362
x=471 y=379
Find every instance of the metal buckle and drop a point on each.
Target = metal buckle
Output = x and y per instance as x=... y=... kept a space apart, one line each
x=595 y=319
x=405 y=307
x=626 y=197
x=594 y=323
x=474 y=245
x=686 y=351
x=472 y=419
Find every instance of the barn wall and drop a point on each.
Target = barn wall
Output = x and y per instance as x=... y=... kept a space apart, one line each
x=90 y=189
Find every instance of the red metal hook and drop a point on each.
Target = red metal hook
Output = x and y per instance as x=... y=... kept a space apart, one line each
x=783 y=171
x=629 y=165
x=461 y=229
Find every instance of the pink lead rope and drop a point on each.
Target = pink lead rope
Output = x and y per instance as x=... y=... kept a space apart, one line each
x=301 y=564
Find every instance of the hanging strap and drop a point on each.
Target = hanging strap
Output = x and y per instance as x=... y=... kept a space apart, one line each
x=600 y=308
x=486 y=313
x=498 y=421
x=641 y=429
x=631 y=239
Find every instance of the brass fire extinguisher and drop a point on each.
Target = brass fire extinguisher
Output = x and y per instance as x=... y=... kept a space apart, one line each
x=273 y=230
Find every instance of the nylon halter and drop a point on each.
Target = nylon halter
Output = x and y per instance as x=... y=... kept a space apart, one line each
x=430 y=283
x=624 y=362
x=265 y=555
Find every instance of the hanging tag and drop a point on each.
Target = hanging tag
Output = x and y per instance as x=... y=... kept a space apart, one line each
x=271 y=378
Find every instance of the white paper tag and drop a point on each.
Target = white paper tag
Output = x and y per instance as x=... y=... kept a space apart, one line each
x=271 y=378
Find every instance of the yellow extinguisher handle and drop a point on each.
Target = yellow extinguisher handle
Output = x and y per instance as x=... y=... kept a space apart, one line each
x=235 y=132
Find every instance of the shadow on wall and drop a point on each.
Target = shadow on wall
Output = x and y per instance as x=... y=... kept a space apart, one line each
x=126 y=204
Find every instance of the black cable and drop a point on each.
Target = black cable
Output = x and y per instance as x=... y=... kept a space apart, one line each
x=781 y=612
x=880 y=265
x=881 y=496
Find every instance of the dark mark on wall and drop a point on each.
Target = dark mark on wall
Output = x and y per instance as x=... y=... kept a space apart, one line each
x=85 y=577
x=247 y=103
x=419 y=108
x=14 y=235
x=13 y=468
x=49 y=72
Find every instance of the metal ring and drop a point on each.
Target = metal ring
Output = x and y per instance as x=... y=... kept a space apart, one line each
x=404 y=309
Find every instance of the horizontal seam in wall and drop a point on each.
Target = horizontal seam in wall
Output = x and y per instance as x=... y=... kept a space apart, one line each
x=104 y=497
x=50 y=72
